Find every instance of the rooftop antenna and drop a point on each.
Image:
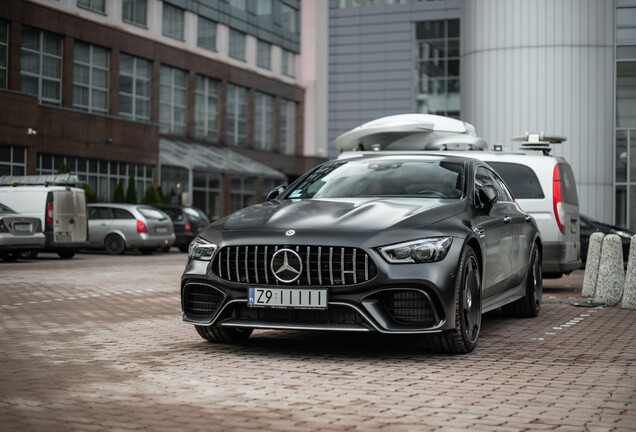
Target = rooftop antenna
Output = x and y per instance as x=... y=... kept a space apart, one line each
x=539 y=141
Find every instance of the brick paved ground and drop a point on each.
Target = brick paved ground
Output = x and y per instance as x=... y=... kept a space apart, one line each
x=97 y=343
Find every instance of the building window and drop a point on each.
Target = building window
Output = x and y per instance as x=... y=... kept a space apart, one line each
x=237 y=45
x=207 y=193
x=94 y=5
x=101 y=175
x=4 y=53
x=172 y=21
x=12 y=161
x=206 y=33
x=242 y=193
x=263 y=9
x=264 y=55
x=238 y=4
x=134 y=11
x=41 y=65
x=438 y=67
x=288 y=63
x=288 y=18
x=172 y=101
x=90 y=78
x=206 y=109
x=287 y=126
x=134 y=87
x=263 y=121
x=236 y=121
x=626 y=94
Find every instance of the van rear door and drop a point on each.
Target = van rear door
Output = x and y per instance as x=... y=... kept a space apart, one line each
x=567 y=210
x=65 y=217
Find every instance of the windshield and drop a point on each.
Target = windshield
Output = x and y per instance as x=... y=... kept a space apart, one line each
x=382 y=178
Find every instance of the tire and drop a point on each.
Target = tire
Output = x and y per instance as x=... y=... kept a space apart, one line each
x=114 y=244
x=9 y=256
x=529 y=305
x=226 y=335
x=66 y=253
x=463 y=338
x=30 y=254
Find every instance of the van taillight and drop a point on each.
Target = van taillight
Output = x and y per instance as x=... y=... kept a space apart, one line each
x=557 y=196
x=141 y=227
x=188 y=227
x=2 y=227
x=49 y=213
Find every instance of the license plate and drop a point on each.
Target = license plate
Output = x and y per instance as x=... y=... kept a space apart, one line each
x=22 y=227
x=161 y=230
x=287 y=298
x=63 y=237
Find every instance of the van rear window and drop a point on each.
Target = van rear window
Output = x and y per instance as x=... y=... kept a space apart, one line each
x=521 y=180
x=569 y=185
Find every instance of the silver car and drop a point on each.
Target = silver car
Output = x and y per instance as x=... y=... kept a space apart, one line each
x=121 y=227
x=18 y=233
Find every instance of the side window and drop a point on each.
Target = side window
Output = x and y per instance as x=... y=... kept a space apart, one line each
x=485 y=176
x=122 y=214
x=99 y=213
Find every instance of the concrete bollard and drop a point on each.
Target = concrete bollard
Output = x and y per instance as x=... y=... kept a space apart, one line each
x=611 y=276
x=592 y=264
x=629 y=293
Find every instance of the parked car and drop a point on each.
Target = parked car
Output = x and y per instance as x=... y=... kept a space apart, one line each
x=18 y=233
x=589 y=226
x=120 y=227
x=389 y=243
x=186 y=221
x=543 y=185
x=61 y=210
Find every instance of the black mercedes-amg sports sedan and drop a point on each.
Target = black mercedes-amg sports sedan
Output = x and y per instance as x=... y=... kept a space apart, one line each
x=401 y=243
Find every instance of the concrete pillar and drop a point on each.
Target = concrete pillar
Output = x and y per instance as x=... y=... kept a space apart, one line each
x=592 y=264
x=629 y=293
x=611 y=276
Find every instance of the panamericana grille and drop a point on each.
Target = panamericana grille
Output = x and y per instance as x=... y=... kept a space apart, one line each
x=409 y=307
x=322 y=265
x=200 y=301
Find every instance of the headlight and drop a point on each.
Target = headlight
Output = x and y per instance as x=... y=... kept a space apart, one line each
x=417 y=251
x=201 y=249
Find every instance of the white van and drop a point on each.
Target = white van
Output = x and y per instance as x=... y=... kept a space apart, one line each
x=62 y=210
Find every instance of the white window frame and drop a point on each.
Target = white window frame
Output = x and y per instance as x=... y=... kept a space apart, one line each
x=135 y=96
x=208 y=89
x=91 y=85
x=40 y=75
x=236 y=117
x=172 y=126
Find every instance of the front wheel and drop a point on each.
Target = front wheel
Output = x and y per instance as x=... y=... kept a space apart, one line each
x=463 y=338
x=529 y=305
x=227 y=335
x=66 y=253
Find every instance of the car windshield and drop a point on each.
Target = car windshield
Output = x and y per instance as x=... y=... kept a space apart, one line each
x=5 y=209
x=382 y=178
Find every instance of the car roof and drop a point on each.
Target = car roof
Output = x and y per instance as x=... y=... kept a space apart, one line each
x=405 y=155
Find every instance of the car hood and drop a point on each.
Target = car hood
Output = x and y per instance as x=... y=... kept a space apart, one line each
x=346 y=214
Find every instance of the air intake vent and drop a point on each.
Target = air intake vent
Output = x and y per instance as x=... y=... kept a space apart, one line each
x=409 y=307
x=321 y=265
x=200 y=301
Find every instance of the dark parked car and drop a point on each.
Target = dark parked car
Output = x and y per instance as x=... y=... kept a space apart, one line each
x=402 y=244
x=19 y=234
x=590 y=226
x=187 y=222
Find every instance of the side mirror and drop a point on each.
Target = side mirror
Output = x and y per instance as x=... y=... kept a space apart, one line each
x=275 y=193
x=488 y=196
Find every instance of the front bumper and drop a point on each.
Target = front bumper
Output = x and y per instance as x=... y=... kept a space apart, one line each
x=400 y=299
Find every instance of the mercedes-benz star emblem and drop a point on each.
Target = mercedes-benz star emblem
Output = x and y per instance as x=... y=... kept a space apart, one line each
x=286 y=265
x=290 y=233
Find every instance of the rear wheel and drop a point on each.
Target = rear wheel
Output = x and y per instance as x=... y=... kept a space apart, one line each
x=227 y=335
x=463 y=338
x=66 y=253
x=114 y=244
x=529 y=305
x=146 y=251
x=31 y=254
x=9 y=256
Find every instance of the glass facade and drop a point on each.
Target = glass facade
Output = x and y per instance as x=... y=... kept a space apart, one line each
x=173 y=96
x=135 y=11
x=12 y=160
x=236 y=117
x=242 y=193
x=206 y=109
x=264 y=55
x=625 y=145
x=4 y=53
x=206 y=33
x=90 y=78
x=288 y=63
x=41 y=65
x=207 y=193
x=172 y=21
x=134 y=87
x=101 y=175
x=263 y=121
x=237 y=45
x=287 y=126
x=437 y=65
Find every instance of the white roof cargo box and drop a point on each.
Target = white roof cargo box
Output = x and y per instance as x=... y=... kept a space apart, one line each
x=411 y=132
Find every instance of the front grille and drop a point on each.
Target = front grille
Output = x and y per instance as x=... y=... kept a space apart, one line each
x=409 y=307
x=335 y=315
x=321 y=265
x=200 y=301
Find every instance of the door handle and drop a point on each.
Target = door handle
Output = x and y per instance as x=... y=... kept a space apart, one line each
x=507 y=219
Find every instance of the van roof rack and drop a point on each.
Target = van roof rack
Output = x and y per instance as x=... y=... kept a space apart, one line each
x=539 y=141
x=46 y=180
